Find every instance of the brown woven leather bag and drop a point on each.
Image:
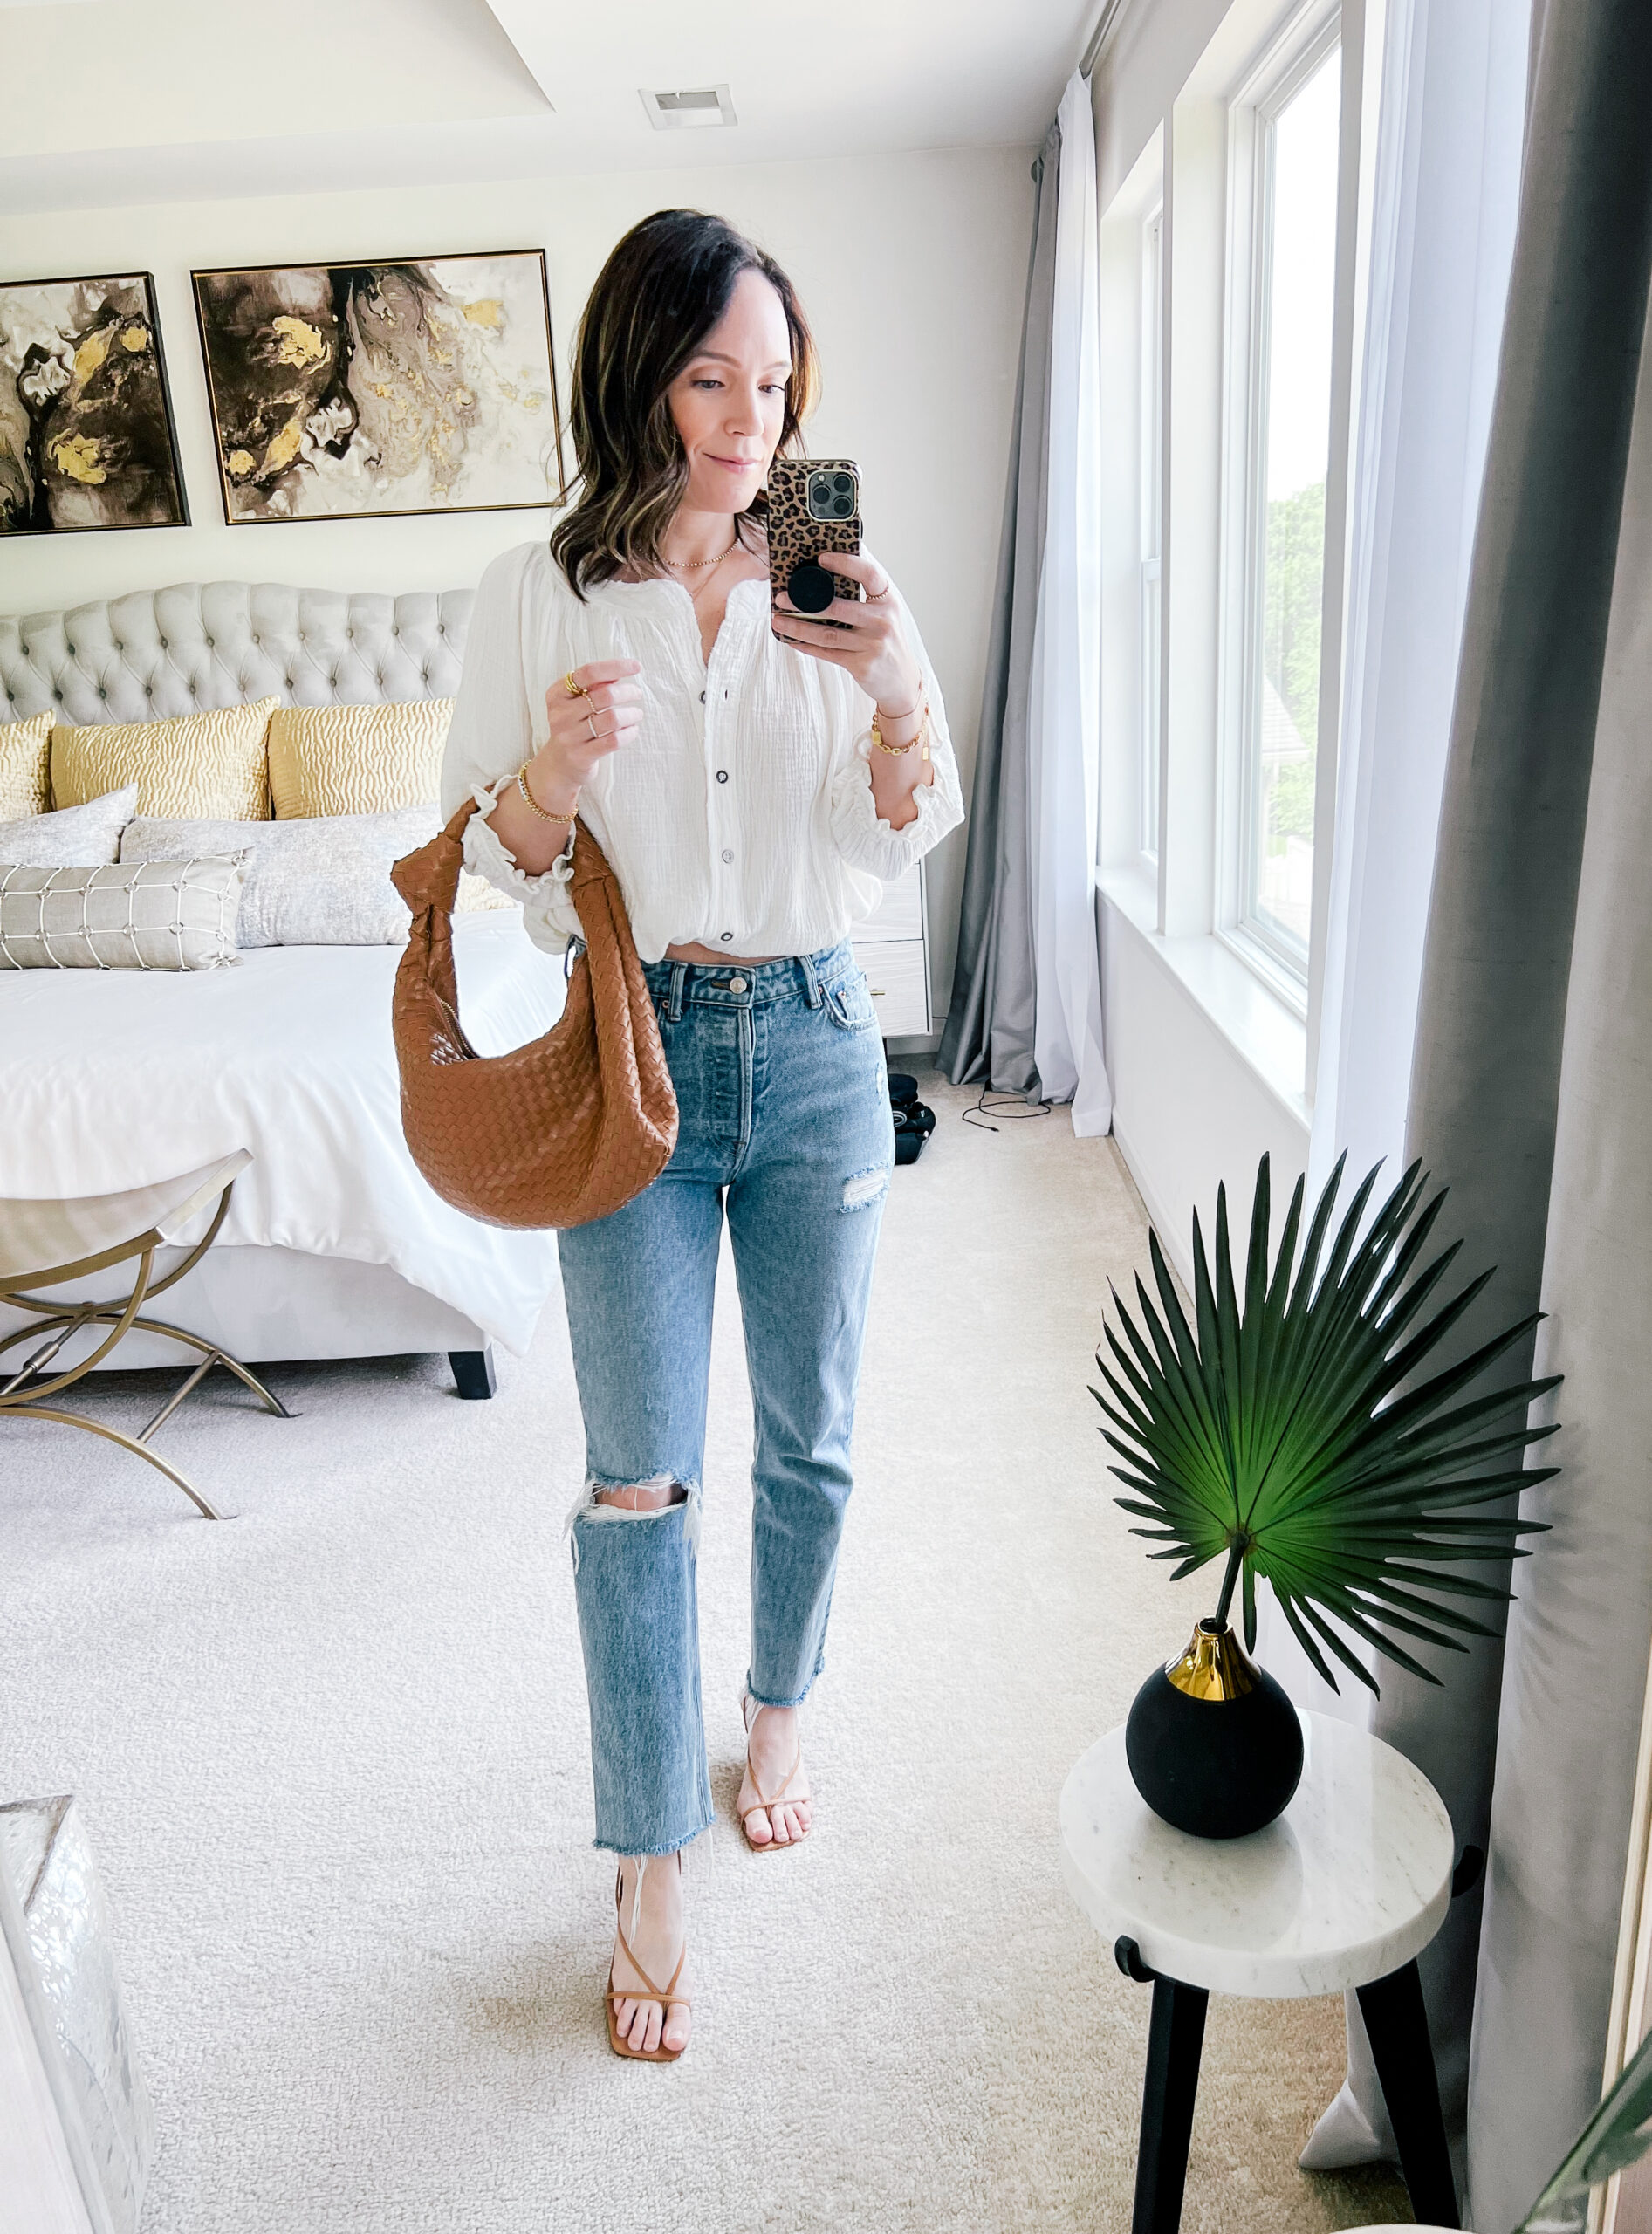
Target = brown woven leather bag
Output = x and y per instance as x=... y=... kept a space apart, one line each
x=557 y=1132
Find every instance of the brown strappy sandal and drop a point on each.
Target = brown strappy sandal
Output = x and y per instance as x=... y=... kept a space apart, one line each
x=617 y=2040
x=777 y=1798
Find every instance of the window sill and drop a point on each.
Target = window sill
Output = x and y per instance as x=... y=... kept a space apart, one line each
x=1262 y=1028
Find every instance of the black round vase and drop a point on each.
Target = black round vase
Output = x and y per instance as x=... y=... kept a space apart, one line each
x=1214 y=1745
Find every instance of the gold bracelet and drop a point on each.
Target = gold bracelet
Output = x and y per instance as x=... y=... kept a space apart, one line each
x=919 y=701
x=543 y=813
x=920 y=738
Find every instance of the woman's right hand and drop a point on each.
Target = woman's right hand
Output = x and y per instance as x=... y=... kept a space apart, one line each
x=583 y=731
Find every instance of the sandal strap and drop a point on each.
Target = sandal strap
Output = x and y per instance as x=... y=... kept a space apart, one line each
x=653 y=1993
x=779 y=1793
x=665 y=2000
x=775 y=1799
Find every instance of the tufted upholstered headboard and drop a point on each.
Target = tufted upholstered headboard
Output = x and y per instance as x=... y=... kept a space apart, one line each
x=200 y=645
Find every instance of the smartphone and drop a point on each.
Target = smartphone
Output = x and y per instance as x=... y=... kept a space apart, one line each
x=814 y=506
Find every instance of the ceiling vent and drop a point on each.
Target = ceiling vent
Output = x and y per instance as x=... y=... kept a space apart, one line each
x=688 y=112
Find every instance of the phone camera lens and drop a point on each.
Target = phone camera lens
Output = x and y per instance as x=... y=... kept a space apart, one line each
x=843 y=483
x=844 y=507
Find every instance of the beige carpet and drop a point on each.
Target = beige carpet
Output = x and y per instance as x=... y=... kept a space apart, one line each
x=334 y=1761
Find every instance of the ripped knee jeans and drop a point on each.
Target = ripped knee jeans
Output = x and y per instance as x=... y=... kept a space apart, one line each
x=784 y=1124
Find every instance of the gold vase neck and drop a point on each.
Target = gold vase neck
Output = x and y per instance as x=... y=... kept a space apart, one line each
x=1215 y=1665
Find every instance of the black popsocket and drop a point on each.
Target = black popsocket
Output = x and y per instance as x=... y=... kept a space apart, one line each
x=810 y=587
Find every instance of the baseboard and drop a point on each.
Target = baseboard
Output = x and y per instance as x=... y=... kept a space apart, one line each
x=1176 y=1247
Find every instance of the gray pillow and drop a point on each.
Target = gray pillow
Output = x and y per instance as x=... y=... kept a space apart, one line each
x=72 y=836
x=320 y=881
x=150 y=916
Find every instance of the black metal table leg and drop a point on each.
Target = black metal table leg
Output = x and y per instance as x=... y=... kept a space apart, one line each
x=1175 y=2039
x=1398 y=2025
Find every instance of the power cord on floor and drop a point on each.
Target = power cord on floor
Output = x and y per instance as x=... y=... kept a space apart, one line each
x=1010 y=1107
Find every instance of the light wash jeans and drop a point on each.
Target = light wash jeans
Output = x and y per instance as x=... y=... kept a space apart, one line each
x=784 y=1113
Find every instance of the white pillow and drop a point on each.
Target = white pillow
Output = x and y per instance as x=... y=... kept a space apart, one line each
x=73 y=837
x=321 y=880
x=150 y=916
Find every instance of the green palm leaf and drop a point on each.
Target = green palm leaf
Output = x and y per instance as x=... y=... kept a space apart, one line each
x=1616 y=2135
x=1291 y=1430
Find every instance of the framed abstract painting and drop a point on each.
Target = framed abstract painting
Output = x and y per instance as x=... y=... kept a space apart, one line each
x=349 y=391
x=86 y=439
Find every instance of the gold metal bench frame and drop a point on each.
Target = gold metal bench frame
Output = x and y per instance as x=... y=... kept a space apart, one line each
x=23 y=1394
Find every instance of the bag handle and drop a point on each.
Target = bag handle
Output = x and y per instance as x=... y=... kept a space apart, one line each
x=429 y=879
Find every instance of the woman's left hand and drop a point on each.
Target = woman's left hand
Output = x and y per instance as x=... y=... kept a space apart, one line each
x=871 y=644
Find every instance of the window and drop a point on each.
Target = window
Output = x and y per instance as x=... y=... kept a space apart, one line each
x=1152 y=452
x=1277 y=605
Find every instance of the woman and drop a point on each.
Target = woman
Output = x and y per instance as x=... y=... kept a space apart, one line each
x=753 y=777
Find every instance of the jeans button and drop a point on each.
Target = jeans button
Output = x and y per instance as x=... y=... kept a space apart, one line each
x=737 y=984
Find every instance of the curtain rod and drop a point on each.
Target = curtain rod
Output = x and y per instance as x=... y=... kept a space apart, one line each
x=1111 y=11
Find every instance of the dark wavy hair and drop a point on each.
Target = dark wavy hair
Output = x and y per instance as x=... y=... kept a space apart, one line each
x=660 y=293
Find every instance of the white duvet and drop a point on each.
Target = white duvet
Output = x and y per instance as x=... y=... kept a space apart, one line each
x=110 y=1080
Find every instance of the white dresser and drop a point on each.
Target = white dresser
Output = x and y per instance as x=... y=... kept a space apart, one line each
x=893 y=948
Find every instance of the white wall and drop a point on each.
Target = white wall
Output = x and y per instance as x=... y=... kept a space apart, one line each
x=912 y=267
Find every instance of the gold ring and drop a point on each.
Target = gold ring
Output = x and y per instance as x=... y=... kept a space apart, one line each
x=590 y=722
x=877 y=597
x=574 y=689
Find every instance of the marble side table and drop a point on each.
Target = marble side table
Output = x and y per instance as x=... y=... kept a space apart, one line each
x=1344 y=1890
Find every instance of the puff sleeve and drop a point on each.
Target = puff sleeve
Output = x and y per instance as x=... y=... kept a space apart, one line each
x=492 y=732
x=863 y=837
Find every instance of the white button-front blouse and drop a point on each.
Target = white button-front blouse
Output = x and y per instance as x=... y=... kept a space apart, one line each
x=741 y=815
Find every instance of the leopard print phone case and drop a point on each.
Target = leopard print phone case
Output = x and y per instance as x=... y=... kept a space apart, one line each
x=807 y=516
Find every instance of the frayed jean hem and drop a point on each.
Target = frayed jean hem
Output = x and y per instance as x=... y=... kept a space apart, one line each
x=654 y=1854
x=757 y=1699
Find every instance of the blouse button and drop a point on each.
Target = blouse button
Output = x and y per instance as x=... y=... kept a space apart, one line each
x=727 y=855
x=703 y=697
x=722 y=775
x=728 y=937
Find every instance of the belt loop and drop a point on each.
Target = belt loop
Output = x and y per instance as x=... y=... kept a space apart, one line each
x=673 y=1000
x=810 y=982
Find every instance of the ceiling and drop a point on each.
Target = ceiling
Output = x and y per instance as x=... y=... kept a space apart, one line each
x=135 y=101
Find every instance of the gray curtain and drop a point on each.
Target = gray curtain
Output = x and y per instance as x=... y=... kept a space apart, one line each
x=1575 y=1665
x=989 y=1031
x=1498 y=970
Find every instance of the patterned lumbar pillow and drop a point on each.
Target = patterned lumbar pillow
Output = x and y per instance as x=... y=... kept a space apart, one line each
x=213 y=764
x=147 y=916
x=323 y=881
x=356 y=759
x=74 y=836
x=25 y=766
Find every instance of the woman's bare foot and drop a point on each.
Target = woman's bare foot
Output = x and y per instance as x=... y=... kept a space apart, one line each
x=772 y=1755
x=657 y=1942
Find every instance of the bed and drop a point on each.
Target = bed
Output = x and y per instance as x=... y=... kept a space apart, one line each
x=334 y=1245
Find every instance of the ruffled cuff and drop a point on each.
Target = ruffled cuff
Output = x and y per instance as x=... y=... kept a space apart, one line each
x=548 y=914
x=866 y=840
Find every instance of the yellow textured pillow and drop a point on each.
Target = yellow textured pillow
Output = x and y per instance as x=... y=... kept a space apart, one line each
x=356 y=759
x=25 y=767
x=200 y=765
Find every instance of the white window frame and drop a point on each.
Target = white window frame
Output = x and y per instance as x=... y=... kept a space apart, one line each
x=1150 y=699
x=1290 y=60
